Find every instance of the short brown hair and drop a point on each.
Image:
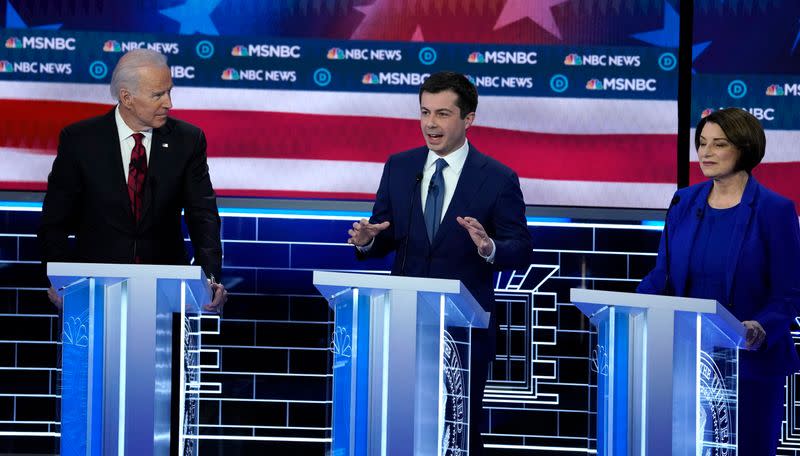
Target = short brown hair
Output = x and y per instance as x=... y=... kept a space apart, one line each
x=743 y=130
x=464 y=89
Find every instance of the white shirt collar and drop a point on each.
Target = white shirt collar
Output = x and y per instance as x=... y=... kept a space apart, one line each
x=125 y=131
x=455 y=160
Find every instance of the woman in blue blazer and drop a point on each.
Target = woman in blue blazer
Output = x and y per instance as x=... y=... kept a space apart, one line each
x=733 y=240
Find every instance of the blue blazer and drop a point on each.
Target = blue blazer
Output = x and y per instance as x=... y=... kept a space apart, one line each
x=763 y=275
x=487 y=190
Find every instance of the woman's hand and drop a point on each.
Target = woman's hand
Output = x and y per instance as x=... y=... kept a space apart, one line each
x=755 y=334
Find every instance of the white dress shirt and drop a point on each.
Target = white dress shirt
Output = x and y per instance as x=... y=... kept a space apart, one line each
x=455 y=163
x=126 y=141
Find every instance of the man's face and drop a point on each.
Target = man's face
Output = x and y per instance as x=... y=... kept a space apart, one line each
x=442 y=126
x=147 y=105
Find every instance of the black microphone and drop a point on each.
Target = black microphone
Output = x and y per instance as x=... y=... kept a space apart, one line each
x=699 y=214
x=417 y=180
x=667 y=289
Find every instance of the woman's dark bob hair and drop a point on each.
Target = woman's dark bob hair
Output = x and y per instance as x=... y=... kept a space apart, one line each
x=743 y=130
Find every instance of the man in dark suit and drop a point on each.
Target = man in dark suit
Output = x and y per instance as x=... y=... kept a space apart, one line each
x=120 y=181
x=450 y=212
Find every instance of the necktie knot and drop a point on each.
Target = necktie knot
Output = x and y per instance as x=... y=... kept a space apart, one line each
x=436 y=179
x=137 y=139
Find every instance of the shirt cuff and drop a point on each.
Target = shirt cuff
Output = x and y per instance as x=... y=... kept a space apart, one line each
x=365 y=248
x=489 y=259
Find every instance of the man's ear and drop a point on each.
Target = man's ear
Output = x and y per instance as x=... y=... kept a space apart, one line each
x=468 y=120
x=125 y=97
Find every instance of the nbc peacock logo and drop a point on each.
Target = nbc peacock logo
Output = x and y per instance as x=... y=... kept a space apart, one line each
x=13 y=43
x=476 y=57
x=594 y=84
x=240 y=51
x=706 y=112
x=6 y=66
x=111 y=46
x=230 y=74
x=335 y=54
x=573 y=60
x=775 y=90
x=370 y=78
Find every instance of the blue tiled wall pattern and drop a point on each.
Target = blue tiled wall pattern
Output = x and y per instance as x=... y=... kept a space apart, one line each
x=275 y=366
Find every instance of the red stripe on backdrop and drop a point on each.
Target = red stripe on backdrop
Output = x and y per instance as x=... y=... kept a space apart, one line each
x=35 y=124
x=588 y=157
x=613 y=158
x=781 y=178
x=24 y=186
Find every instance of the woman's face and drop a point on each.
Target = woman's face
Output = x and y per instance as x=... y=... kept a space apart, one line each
x=716 y=154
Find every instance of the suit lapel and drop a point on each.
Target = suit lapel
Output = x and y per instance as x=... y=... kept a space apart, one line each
x=743 y=215
x=114 y=145
x=159 y=146
x=680 y=255
x=469 y=183
x=418 y=167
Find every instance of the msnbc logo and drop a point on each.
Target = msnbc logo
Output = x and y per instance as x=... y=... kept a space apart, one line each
x=573 y=60
x=594 y=84
x=239 y=51
x=775 y=91
x=706 y=112
x=13 y=43
x=111 y=46
x=6 y=66
x=370 y=78
x=230 y=74
x=476 y=57
x=335 y=54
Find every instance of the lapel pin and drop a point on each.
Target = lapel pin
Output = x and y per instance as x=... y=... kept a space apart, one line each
x=164 y=144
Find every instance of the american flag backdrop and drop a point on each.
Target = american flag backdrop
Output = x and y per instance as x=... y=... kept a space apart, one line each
x=309 y=98
x=746 y=55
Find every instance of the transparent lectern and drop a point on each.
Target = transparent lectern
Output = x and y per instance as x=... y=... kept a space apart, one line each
x=401 y=349
x=667 y=373
x=117 y=357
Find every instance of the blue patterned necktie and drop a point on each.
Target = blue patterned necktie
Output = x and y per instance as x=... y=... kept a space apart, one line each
x=435 y=200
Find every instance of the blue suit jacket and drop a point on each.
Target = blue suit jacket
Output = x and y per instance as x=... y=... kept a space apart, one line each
x=486 y=190
x=763 y=275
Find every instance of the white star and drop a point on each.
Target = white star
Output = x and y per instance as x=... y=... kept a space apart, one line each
x=418 y=36
x=194 y=16
x=377 y=17
x=537 y=10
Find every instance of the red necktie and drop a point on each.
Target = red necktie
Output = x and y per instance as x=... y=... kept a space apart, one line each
x=137 y=171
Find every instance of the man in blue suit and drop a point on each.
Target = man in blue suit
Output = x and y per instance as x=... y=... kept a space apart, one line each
x=450 y=212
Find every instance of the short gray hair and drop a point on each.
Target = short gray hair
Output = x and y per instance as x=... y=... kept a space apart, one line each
x=126 y=74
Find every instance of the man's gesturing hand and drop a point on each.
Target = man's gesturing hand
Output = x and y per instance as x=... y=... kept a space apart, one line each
x=363 y=232
x=478 y=234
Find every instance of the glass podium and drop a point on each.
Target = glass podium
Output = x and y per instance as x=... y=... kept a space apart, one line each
x=117 y=357
x=667 y=373
x=401 y=353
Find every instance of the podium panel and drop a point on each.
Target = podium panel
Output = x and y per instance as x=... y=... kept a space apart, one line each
x=401 y=353
x=117 y=357
x=667 y=373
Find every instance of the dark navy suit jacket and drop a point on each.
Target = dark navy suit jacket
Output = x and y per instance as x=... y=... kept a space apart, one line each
x=487 y=190
x=763 y=275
